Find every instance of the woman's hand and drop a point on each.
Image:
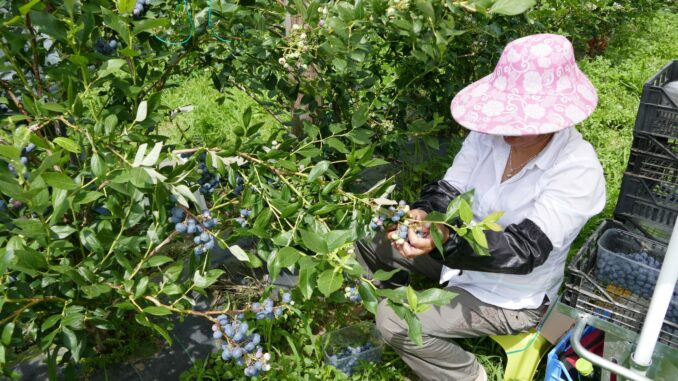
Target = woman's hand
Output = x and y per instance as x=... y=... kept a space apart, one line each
x=419 y=245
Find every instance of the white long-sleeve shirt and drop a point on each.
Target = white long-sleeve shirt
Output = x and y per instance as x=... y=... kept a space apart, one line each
x=559 y=190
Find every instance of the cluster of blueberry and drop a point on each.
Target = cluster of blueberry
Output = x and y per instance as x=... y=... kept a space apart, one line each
x=242 y=344
x=348 y=359
x=139 y=7
x=208 y=181
x=351 y=293
x=386 y=217
x=197 y=227
x=625 y=272
x=244 y=216
x=105 y=48
x=395 y=215
x=23 y=159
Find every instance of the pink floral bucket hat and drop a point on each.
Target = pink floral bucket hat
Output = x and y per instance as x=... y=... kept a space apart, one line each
x=536 y=88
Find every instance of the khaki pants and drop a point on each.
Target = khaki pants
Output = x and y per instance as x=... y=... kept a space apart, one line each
x=439 y=358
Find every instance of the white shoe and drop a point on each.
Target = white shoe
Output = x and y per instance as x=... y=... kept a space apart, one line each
x=482 y=375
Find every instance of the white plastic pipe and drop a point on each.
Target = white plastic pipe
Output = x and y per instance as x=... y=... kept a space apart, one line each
x=661 y=299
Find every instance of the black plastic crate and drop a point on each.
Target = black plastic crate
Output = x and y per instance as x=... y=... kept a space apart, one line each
x=658 y=110
x=587 y=293
x=654 y=91
x=654 y=158
x=651 y=206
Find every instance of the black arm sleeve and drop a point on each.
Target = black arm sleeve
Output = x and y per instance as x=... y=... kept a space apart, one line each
x=436 y=196
x=517 y=250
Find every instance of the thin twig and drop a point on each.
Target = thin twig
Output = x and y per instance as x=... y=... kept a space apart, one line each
x=34 y=47
x=15 y=100
x=260 y=103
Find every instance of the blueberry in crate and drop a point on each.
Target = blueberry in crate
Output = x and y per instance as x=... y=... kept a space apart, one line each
x=348 y=348
x=629 y=261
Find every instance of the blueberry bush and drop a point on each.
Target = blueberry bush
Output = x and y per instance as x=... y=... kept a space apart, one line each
x=105 y=223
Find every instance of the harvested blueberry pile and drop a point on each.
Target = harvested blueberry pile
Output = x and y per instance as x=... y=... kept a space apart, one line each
x=348 y=359
x=637 y=273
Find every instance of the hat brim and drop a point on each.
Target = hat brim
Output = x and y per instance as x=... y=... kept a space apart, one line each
x=485 y=107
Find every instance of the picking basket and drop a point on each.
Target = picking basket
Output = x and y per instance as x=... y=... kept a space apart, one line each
x=658 y=110
x=587 y=291
x=654 y=158
x=347 y=347
x=650 y=205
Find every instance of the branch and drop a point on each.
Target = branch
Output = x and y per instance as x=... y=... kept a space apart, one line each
x=260 y=103
x=34 y=47
x=14 y=99
x=160 y=83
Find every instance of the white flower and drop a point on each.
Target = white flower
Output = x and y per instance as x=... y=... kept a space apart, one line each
x=302 y=36
x=532 y=82
x=534 y=111
x=493 y=108
x=480 y=90
x=541 y=50
x=296 y=27
x=281 y=61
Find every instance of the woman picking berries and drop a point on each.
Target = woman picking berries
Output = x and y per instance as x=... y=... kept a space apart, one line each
x=522 y=157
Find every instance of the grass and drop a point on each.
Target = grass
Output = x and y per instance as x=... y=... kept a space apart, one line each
x=214 y=113
x=636 y=53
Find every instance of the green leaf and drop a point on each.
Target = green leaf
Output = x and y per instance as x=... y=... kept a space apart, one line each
x=63 y=231
x=329 y=281
x=239 y=253
x=426 y=8
x=465 y=212
x=382 y=275
x=337 y=238
x=412 y=298
x=288 y=256
x=368 y=296
x=158 y=260
x=453 y=209
x=157 y=311
x=163 y=332
x=307 y=282
x=141 y=287
x=283 y=238
x=125 y=6
x=437 y=236
x=67 y=144
x=98 y=165
x=24 y=9
x=511 y=7
x=314 y=242
x=494 y=217
x=7 y=333
x=152 y=156
x=50 y=321
x=413 y=327
x=148 y=24
x=142 y=111
x=359 y=117
x=479 y=236
x=207 y=279
x=436 y=296
x=59 y=181
x=247 y=117
x=72 y=343
x=318 y=170
x=48 y=24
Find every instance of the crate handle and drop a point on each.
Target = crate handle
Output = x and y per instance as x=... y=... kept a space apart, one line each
x=575 y=342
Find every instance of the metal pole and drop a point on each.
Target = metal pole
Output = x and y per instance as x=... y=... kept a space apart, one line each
x=661 y=299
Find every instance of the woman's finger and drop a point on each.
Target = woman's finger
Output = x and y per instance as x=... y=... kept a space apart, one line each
x=410 y=251
x=419 y=242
